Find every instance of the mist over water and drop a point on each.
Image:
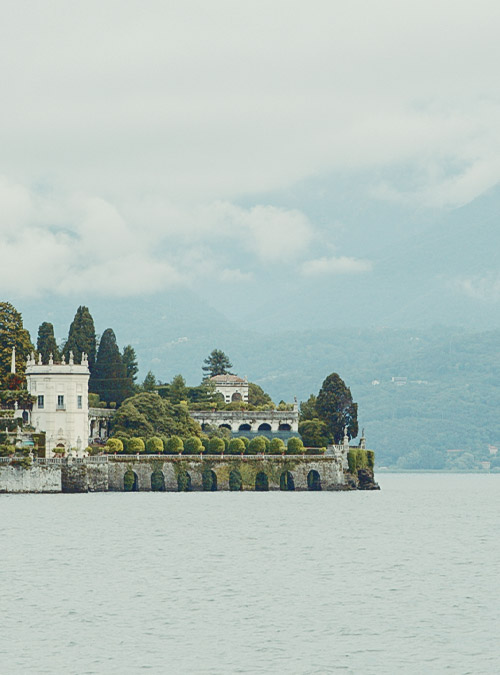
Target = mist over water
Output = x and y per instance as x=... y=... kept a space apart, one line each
x=398 y=581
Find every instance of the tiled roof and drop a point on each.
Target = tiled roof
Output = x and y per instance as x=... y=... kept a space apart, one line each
x=222 y=379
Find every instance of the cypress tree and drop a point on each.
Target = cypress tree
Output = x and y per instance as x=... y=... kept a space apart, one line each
x=109 y=375
x=336 y=408
x=81 y=337
x=46 y=342
x=12 y=334
x=129 y=358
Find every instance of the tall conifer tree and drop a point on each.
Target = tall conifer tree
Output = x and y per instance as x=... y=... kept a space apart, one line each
x=109 y=375
x=129 y=358
x=336 y=408
x=46 y=343
x=81 y=337
x=12 y=334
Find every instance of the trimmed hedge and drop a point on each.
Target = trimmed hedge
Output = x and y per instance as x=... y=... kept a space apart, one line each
x=174 y=446
x=135 y=445
x=193 y=446
x=236 y=447
x=295 y=446
x=154 y=445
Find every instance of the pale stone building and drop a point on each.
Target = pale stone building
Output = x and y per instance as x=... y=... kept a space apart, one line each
x=232 y=387
x=61 y=407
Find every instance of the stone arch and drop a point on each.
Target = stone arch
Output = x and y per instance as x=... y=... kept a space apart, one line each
x=130 y=481
x=264 y=427
x=158 y=481
x=209 y=480
x=225 y=426
x=235 y=481
x=245 y=427
x=236 y=396
x=261 y=482
x=313 y=480
x=184 y=481
x=284 y=427
x=286 y=481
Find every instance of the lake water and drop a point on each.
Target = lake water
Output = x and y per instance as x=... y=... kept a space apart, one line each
x=404 y=580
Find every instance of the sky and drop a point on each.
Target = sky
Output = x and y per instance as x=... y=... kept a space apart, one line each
x=149 y=146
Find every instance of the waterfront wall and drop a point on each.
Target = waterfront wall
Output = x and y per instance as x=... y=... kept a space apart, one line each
x=135 y=473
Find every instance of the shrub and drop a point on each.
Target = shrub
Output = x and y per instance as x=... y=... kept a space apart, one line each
x=226 y=443
x=294 y=446
x=174 y=446
x=183 y=481
x=315 y=451
x=370 y=456
x=235 y=481
x=128 y=480
x=236 y=447
x=351 y=460
x=257 y=446
x=245 y=440
x=114 y=445
x=136 y=445
x=216 y=446
x=277 y=447
x=154 y=445
x=193 y=446
x=7 y=450
x=124 y=441
x=205 y=441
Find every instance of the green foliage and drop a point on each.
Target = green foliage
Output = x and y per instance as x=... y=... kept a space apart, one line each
x=147 y=414
x=236 y=447
x=129 y=359
x=114 y=445
x=307 y=410
x=129 y=480
x=109 y=378
x=357 y=458
x=178 y=389
x=209 y=481
x=257 y=446
x=370 y=456
x=183 y=481
x=277 y=447
x=193 y=446
x=46 y=343
x=294 y=446
x=174 y=446
x=149 y=383
x=245 y=441
x=235 y=481
x=135 y=445
x=154 y=445
x=7 y=450
x=336 y=408
x=157 y=481
x=12 y=334
x=258 y=397
x=216 y=446
x=81 y=337
x=314 y=433
x=205 y=440
x=217 y=363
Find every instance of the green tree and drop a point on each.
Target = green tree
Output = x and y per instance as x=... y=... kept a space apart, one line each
x=148 y=414
x=149 y=383
x=136 y=445
x=114 y=445
x=154 y=445
x=109 y=378
x=336 y=408
x=216 y=446
x=174 y=445
x=12 y=334
x=308 y=409
x=178 y=390
x=257 y=396
x=276 y=447
x=257 y=446
x=294 y=446
x=46 y=343
x=81 y=337
x=314 y=433
x=217 y=363
x=193 y=446
x=129 y=359
x=236 y=447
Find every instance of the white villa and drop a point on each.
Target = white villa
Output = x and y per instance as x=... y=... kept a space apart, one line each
x=232 y=387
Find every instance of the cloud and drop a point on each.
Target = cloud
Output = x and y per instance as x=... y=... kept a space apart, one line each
x=340 y=265
x=482 y=288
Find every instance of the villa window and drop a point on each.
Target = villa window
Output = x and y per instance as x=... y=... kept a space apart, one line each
x=79 y=402
x=40 y=402
x=60 y=402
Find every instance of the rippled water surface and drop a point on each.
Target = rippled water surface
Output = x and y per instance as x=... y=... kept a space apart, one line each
x=399 y=581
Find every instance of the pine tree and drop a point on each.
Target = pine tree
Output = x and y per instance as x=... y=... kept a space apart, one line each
x=217 y=363
x=81 y=337
x=46 y=343
x=336 y=408
x=149 y=383
x=12 y=334
x=129 y=359
x=109 y=375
